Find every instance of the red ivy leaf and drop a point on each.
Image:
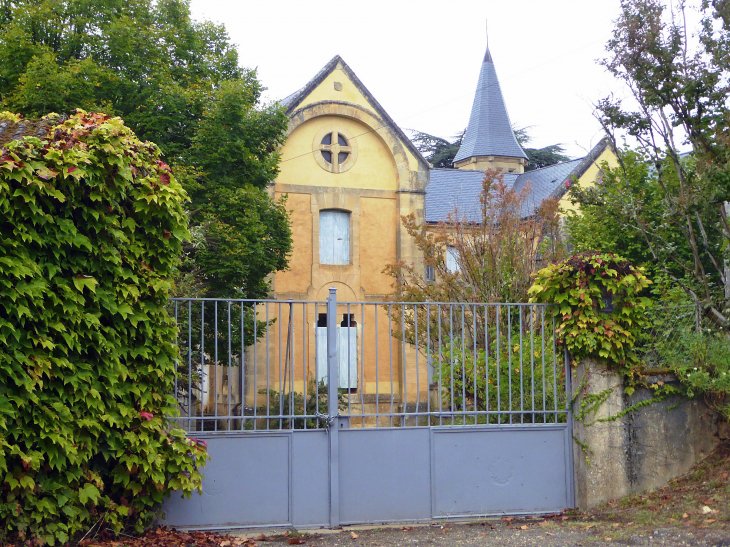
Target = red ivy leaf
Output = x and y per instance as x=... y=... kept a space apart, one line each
x=165 y=178
x=146 y=415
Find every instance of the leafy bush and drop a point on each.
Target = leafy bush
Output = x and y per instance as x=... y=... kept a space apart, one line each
x=581 y=287
x=91 y=226
x=701 y=361
x=515 y=382
x=292 y=403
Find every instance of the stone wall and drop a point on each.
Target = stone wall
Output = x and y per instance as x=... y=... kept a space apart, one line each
x=643 y=449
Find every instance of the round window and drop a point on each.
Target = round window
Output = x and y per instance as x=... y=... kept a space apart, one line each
x=334 y=151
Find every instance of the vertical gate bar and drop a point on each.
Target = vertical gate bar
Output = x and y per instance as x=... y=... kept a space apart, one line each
x=278 y=352
x=522 y=367
x=499 y=391
x=542 y=347
x=202 y=363
x=304 y=361
x=418 y=384
x=532 y=359
x=486 y=362
x=268 y=368
x=509 y=360
x=215 y=366
x=316 y=355
x=451 y=359
x=348 y=326
x=290 y=356
x=390 y=342
x=229 y=366
x=429 y=373
x=242 y=371
x=555 y=379
x=474 y=337
x=255 y=386
x=463 y=367
x=404 y=364
x=332 y=390
x=377 y=373
x=190 y=361
x=362 y=362
x=441 y=355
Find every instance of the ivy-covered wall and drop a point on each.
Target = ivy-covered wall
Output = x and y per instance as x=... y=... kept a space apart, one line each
x=91 y=226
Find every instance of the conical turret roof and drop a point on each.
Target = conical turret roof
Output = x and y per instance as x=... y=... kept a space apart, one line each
x=490 y=131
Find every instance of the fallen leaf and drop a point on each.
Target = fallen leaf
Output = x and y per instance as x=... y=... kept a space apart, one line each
x=543 y=523
x=588 y=527
x=549 y=534
x=709 y=521
x=523 y=527
x=615 y=524
x=296 y=541
x=706 y=510
x=685 y=516
x=225 y=543
x=407 y=528
x=563 y=518
x=724 y=475
x=354 y=535
x=262 y=537
x=607 y=539
x=508 y=519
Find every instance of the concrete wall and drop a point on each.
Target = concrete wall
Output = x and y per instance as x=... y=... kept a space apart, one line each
x=640 y=451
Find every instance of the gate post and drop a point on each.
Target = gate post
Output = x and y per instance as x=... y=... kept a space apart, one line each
x=332 y=411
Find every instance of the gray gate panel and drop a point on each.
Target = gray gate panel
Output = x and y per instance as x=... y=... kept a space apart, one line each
x=246 y=482
x=384 y=475
x=512 y=469
x=310 y=478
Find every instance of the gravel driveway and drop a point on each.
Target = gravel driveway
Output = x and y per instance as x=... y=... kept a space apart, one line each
x=515 y=533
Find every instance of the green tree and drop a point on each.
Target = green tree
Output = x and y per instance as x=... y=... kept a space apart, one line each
x=538 y=158
x=679 y=85
x=175 y=82
x=440 y=152
x=606 y=221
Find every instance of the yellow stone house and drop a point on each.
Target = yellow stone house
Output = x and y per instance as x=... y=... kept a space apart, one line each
x=350 y=174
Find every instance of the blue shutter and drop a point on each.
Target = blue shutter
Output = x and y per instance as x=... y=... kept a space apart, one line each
x=334 y=237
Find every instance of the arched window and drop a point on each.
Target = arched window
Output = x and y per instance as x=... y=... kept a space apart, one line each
x=334 y=237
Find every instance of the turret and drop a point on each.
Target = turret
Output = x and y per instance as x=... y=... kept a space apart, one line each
x=489 y=141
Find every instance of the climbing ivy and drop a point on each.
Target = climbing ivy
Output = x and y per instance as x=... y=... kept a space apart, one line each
x=581 y=287
x=91 y=225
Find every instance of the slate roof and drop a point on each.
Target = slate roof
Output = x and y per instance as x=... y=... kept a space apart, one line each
x=544 y=183
x=459 y=189
x=489 y=132
x=456 y=189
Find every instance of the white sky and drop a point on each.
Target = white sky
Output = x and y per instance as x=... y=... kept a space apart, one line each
x=421 y=59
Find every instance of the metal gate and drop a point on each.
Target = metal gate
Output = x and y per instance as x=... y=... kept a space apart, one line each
x=327 y=413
